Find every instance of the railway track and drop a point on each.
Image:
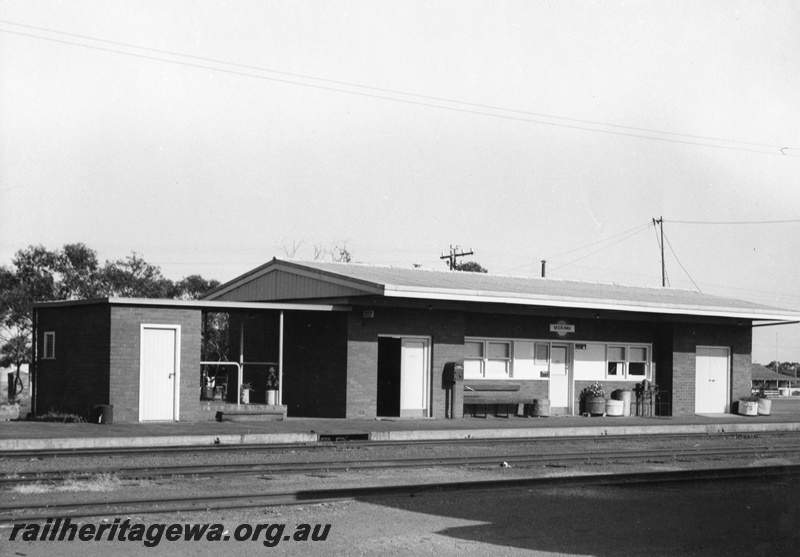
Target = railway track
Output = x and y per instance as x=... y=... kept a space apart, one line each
x=276 y=468
x=356 y=441
x=28 y=513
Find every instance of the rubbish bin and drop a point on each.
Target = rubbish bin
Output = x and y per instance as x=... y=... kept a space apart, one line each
x=625 y=396
x=541 y=407
x=103 y=414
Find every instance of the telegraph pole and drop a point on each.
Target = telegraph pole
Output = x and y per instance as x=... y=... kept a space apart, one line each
x=454 y=253
x=660 y=222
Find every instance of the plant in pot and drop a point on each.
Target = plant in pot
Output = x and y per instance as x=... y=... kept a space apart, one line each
x=272 y=386
x=207 y=386
x=764 y=404
x=244 y=395
x=748 y=405
x=593 y=398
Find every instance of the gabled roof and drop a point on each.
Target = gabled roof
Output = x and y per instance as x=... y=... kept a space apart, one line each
x=297 y=280
x=757 y=371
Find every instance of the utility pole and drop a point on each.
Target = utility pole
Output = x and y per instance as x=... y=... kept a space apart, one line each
x=660 y=222
x=453 y=255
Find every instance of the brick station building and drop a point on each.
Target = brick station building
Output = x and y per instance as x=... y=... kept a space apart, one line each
x=357 y=341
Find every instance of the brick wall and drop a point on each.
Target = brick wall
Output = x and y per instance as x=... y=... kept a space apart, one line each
x=77 y=378
x=687 y=337
x=124 y=363
x=445 y=329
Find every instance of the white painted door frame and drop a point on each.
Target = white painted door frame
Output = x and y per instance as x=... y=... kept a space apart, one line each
x=712 y=387
x=149 y=380
x=557 y=384
x=406 y=390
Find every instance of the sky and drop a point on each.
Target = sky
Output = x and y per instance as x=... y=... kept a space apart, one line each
x=209 y=137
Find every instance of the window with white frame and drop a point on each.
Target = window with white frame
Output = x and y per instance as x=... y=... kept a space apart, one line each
x=616 y=361
x=627 y=362
x=49 y=345
x=541 y=354
x=637 y=361
x=473 y=359
x=487 y=359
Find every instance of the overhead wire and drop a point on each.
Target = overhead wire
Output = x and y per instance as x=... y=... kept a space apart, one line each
x=640 y=132
x=634 y=233
x=787 y=221
x=597 y=242
x=666 y=238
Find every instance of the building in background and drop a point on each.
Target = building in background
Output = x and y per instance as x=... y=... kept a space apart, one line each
x=360 y=341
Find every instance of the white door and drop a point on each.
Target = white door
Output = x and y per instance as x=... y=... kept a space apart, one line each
x=414 y=377
x=712 y=370
x=559 y=379
x=158 y=374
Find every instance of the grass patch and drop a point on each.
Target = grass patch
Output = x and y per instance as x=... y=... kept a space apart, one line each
x=98 y=483
x=60 y=417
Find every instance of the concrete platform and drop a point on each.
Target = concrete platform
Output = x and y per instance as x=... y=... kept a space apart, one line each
x=17 y=435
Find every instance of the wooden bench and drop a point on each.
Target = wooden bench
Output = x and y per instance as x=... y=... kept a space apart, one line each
x=494 y=393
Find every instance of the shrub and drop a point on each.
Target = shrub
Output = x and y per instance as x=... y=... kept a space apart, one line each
x=595 y=389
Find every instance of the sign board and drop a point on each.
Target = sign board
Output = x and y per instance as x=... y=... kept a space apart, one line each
x=561 y=328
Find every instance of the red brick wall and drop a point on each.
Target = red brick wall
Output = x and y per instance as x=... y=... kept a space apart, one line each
x=77 y=379
x=124 y=363
x=445 y=328
x=687 y=337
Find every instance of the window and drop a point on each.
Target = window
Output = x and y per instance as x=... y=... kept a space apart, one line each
x=473 y=360
x=627 y=362
x=487 y=359
x=637 y=364
x=498 y=364
x=616 y=361
x=49 y=345
x=541 y=354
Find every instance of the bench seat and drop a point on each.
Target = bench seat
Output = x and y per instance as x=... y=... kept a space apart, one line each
x=494 y=393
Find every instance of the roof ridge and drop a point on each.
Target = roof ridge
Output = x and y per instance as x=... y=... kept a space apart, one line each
x=490 y=274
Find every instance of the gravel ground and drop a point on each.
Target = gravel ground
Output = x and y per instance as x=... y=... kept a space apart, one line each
x=345 y=453
x=589 y=520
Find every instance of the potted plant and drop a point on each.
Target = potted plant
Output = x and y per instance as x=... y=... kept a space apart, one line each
x=272 y=387
x=764 y=404
x=207 y=389
x=245 y=393
x=594 y=399
x=748 y=405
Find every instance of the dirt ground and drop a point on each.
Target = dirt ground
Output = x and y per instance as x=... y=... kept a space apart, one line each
x=750 y=517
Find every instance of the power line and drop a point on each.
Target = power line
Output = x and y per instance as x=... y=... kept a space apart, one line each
x=640 y=132
x=637 y=231
x=681 y=264
x=640 y=227
x=734 y=222
x=394 y=91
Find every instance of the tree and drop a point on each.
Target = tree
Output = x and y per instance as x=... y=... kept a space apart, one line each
x=72 y=273
x=133 y=277
x=192 y=288
x=15 y=352
x=785 y=368
x=469 y=266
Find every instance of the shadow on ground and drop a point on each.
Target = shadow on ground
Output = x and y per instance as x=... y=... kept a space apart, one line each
x=753 y=518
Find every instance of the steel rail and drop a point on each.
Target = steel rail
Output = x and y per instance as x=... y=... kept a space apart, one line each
x=28 y=513
x=329 y=441
x=284 y=467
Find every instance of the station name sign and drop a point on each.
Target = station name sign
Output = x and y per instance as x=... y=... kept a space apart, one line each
x=561 y=328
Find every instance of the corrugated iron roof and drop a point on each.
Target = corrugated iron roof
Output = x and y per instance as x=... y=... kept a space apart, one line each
x=455 y=285
x=757 y=371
